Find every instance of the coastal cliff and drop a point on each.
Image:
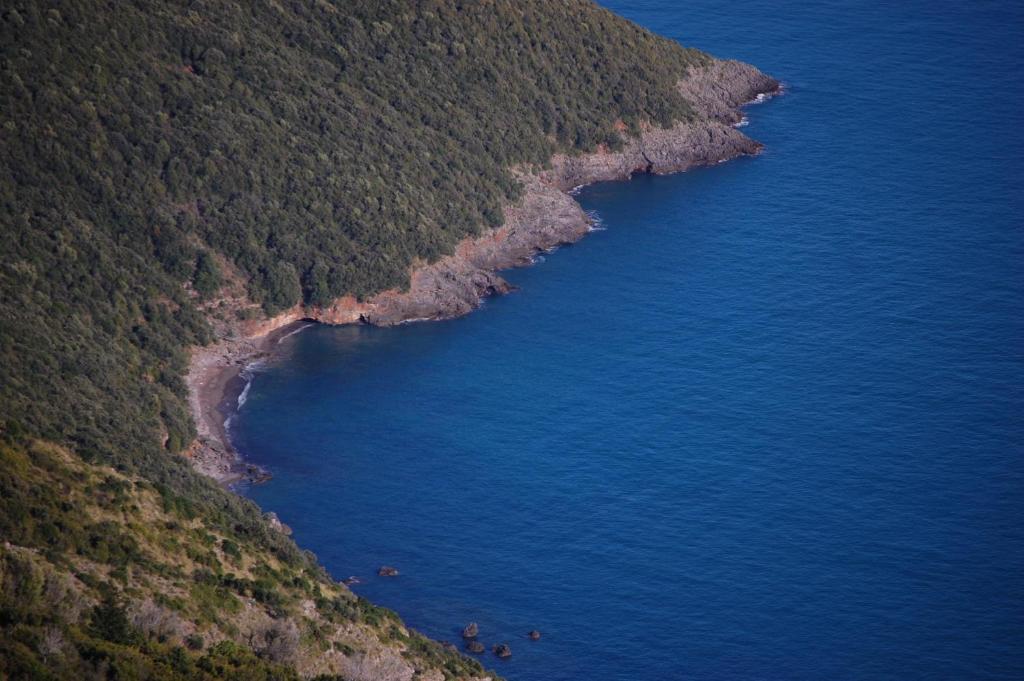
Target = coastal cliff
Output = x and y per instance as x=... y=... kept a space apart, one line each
x=545 y=216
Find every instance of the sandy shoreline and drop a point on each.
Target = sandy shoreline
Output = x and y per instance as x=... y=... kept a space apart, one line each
x=215 y=381
x=545 y=217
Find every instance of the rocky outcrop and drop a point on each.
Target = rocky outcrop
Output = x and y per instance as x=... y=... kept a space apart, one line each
x=718 y=90
x=534 y=635
x=545 y=217
x=502 y=650
x=387 y=571
x=275 y=523
x=471 y=630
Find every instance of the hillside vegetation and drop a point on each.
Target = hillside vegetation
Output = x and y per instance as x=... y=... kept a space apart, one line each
x=321 y=147
x=314 y=148
x=109 y=576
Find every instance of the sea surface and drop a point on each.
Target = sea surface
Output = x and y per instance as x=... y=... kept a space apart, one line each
x=767 y=423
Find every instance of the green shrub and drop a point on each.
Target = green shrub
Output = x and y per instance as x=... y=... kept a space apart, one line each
x=109 y=621
x=194 y=642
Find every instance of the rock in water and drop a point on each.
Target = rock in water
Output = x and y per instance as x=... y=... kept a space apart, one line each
x=534 y=635
x=471 y=630
x=502 y=650
x=475 y=647
x=387 y=571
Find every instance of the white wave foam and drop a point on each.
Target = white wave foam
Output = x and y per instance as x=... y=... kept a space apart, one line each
x=244 y=395
x=765 y=96
x=294 y=331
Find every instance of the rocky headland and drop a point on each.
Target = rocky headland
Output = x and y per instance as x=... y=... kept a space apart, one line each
x=545 y=216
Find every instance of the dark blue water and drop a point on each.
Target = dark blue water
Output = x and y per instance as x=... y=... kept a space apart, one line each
x=769 y=424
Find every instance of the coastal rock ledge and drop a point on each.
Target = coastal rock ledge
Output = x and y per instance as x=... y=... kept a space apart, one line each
x=545 y=216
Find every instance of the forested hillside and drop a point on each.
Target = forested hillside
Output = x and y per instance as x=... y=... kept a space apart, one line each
x=318 y=148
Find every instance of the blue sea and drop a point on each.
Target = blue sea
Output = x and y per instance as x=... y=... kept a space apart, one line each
x=767 y=423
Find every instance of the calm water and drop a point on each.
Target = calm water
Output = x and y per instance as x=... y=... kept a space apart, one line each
x=768 y=424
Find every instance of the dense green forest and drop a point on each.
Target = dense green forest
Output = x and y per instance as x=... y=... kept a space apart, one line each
x=320 y=147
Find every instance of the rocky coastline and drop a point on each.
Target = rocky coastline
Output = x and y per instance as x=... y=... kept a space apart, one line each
x=546 y=216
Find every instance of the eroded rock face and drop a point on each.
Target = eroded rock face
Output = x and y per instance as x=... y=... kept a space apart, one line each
x=544 y=217
x=718 y=90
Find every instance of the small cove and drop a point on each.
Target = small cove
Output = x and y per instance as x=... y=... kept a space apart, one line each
x=763 y=424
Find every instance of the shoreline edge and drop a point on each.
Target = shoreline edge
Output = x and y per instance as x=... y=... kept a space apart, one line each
x=546 y=216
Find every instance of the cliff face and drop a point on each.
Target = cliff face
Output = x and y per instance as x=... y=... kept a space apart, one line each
x=716 y=92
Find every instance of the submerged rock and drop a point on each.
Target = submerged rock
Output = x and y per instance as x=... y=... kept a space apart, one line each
x=502 y=650
x=258 y=476
x=475 y=646
x=534 y=635
x=387 y=571
x=349 y=581
x=471 y=630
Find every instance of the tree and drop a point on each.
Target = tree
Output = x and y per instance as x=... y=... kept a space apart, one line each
x=110 y=621
x=206 y=279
